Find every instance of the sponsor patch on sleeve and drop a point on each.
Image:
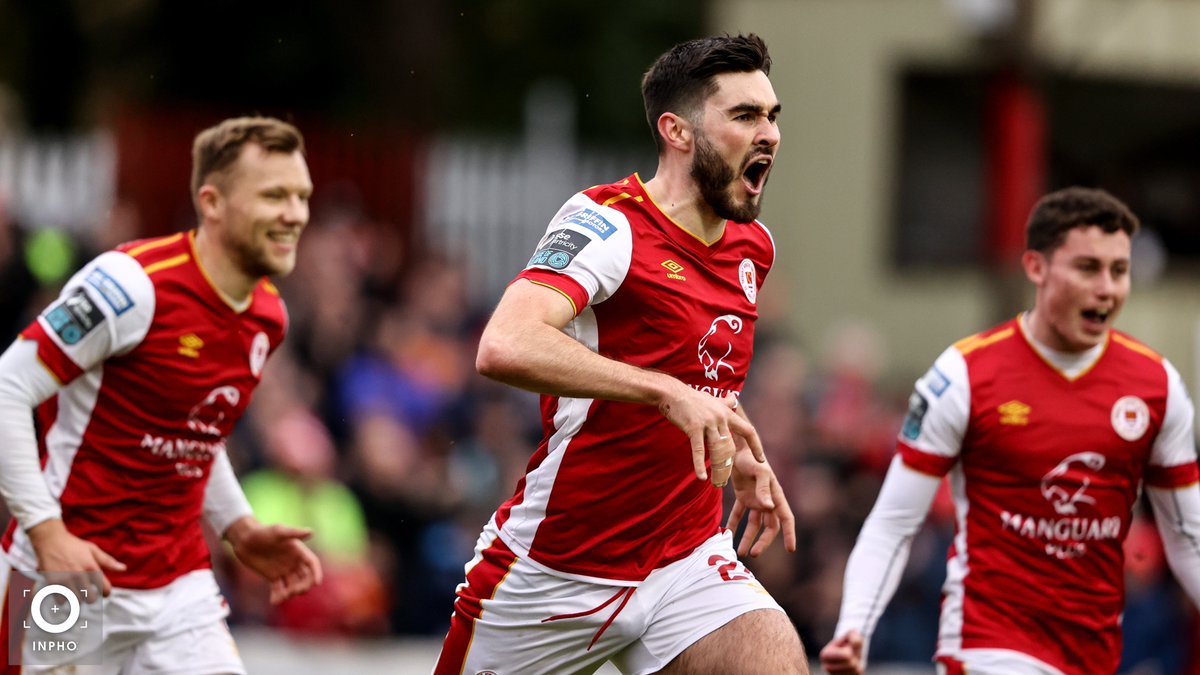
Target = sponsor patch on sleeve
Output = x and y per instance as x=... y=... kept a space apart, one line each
x=559 y=248
x=917 y=407
x=592 y=221
x=936 y=382
x=74 y=316
x=110 y=290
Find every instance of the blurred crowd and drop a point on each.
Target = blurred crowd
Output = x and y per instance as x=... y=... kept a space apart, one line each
x=372 y=428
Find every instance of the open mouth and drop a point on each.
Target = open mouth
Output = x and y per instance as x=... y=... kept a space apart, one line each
x=288 y=237
x=755 y=174
x=1096 y=316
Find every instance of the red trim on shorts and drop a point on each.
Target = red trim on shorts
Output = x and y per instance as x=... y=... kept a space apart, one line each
x=627 y=592
x=16 y=586
x=952 y=666
x=482 y=582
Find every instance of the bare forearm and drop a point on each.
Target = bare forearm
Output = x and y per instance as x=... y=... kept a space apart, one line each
x=537 y=356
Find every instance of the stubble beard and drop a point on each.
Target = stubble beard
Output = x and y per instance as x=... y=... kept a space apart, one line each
x=716 y=181
x=252 y=258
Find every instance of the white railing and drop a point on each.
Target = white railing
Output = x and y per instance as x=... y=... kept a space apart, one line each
x=66 y=183
x=486 y=202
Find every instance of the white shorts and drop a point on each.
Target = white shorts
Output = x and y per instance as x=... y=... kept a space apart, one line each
x=992 y=662
x=178 y=629
x=513 y=617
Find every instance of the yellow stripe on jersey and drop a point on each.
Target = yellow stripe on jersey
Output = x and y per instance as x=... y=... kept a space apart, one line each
x=624 y=195
x=676 y=222
x=135 y=252
x=1138 y=347
x=270 y=288
x=968 y=345
x=167 y=264
x=573 y=307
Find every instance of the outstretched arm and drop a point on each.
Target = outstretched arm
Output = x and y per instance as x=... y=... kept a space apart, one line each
x=877 y=562
x=278 y=554
x=524 y=345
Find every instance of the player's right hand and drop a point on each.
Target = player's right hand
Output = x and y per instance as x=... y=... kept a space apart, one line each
x=73 y=562
x=711 y=424
x=844 y=655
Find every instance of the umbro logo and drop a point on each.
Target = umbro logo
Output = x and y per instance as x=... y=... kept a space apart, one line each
x=190 y=345
x=673 y=270
x=1014 y=413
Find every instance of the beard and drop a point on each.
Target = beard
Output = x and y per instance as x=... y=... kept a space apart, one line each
x=251 y=258
x=716 y=180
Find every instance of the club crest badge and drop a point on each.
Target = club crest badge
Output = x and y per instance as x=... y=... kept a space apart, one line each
x=1130 y=417
x=749 y=279
x=259 y=349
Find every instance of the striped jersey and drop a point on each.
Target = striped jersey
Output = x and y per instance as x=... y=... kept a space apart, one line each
x=610 y=493
x=155 y=367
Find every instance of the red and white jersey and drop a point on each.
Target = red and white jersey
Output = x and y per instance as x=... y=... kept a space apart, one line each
x=611 y=494
x=155 y=368
x=1044 y=469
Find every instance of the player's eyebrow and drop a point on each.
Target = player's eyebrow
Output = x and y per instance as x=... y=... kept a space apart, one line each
x=756 y=109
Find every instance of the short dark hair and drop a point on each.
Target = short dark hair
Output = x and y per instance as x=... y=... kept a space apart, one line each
x=1059 y=212
x=215 y=149
x=681 y=79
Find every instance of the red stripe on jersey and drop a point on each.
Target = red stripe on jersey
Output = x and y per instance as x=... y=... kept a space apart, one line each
x=1182 y=475
x=559 y=282
x=924 y=462
x=951 y=666
x=18 y=586
x=482 y=582
x=59 y=364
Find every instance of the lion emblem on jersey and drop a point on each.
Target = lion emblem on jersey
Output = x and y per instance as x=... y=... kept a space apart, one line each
x=1066 y=485
x=208 y=415
x=717 y=345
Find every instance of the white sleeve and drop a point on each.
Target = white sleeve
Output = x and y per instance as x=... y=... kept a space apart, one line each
x=1177 y=510
x=24 y=384
x=939 y=407
x=104 y=309
x=1175 y=443
x=1177 y=513
x=224 y=501
x=877 y=562
x=589 y=243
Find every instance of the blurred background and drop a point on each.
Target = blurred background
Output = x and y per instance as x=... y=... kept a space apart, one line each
x=443 y=136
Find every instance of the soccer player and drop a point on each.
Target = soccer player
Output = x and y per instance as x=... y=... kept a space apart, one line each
x=635 y=320
x=1048 y=426
x=137 y=374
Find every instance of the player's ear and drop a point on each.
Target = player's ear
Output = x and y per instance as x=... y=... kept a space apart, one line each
x=675 y=131
x=208 y=201
x=1035 y=264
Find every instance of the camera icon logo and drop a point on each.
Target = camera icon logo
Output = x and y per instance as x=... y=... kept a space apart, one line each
x=57 y=619
x=37 y=608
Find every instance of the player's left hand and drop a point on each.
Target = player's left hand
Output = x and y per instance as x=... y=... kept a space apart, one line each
x=757 y=492
x=278 y=554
